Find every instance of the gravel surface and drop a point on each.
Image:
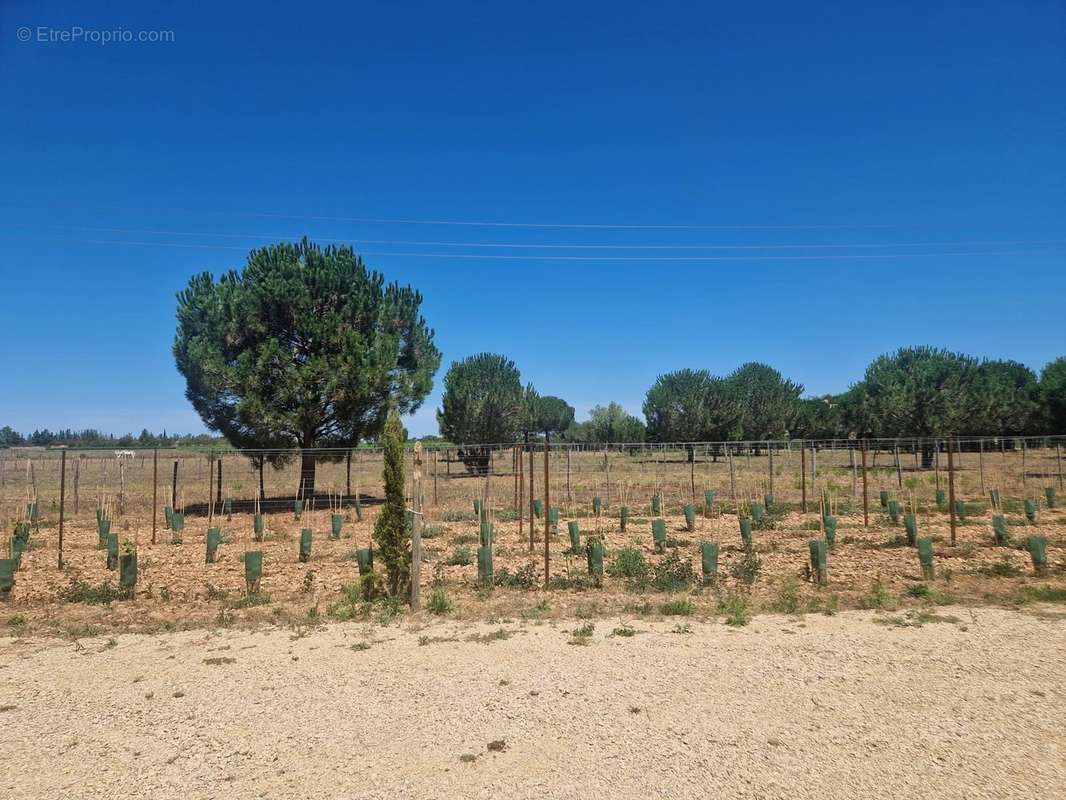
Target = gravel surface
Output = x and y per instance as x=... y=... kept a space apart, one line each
x=825 y=707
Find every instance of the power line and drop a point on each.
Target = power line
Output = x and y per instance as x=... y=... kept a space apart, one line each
x=503 y=257
x=558 y=246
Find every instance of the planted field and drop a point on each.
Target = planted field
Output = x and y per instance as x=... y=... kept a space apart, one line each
x=640 y=530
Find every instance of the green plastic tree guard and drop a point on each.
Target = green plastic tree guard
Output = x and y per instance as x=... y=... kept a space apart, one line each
x=168 y=516
x=575 y=536
x=941 y=500
x=257 y=527
x=127 y=573
x=925 y=557
x=910 y=523
x=893 y=511
x=597 y=505
x=538 y=509
x=1037 y=547
x=623 y=518
x=486 y=534
x=17 y=546
x=690 y=517
x=364 y=557
x=960 y=510
x=594 y=552
x=253 y=570
x=22 y=531
x=745 y=532
x=768 y=501
x=1030 y=511
x=708 y=502
x=884 y=498
x=758 y=513
x=177 y=521
x=32 y=512
x=656 y=505
x=227 y=507
x=477 y=508
x=1049 y=494
x=305 y=545
x=214 y=536
x=336 y=523
x=7 y=575
x=484 y=566
x=103 y=528
x=553 y=519
x=658 y=534
x=112 y=550
x=999 y=529
x=298 y=508
x=709 y=561
x=993 y=497
x=358 y=509
x=829 y=524
x=819 y=560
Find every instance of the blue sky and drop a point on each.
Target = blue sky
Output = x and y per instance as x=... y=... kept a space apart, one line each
x=929 y=139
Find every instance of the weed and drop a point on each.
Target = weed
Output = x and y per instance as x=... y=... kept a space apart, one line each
x=788 y=597
x=735 y=608
x=919 y=590
x=630 y=565
x=16 y=621
x=640 y=609
x=878 y=597
x=249 y=600
x=680 y=607
x=1003 y=569
x=583 y=634
x=79 y=591
x=360 y=646
x=219 y=661
x=438 y=602
x=526 y=577
x=747 y=568
x=681 y=628
x=214 y=593
x=1039 y=594
x=460 y=557
x=497 y=635
x=673 y=574
x=624 y=630
x=468 y=758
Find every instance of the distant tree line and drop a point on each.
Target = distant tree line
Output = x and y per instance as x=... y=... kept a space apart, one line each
x=90 y=437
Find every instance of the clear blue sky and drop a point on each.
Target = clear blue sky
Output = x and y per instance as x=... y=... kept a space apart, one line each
x=127 y=167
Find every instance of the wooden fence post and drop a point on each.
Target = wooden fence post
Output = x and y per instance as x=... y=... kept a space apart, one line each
x=547 y=513
x=770 y=453
x=155 y=492
x=865 y=490
x=951 y=487
x=803 y=476
x=62 y=500
x=416 y=530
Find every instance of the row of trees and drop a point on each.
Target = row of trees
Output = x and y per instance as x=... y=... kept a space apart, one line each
x=90 y=437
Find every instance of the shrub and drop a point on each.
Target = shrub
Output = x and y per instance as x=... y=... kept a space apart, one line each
x=747 y=568
x=735 y=608
x=79 y=591
x=527 y=577
x=878 y=596
x=673 y=574
x=630 y=565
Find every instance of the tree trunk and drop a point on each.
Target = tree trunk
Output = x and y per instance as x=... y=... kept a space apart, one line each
x=307 y=475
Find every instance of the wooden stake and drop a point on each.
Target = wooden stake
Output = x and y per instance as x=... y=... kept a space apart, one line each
x=1058 y=459
x=732 y=474
x=547 y=512
x=951 y=487
x=62 y=500
x=210 y=489
x=899 y=469
x=803 y=475
x=770 y=452
x=865 y=490
x=981 y=463
x=531 y=490
x=416 y=530
x=155 y=492
x=174 y=488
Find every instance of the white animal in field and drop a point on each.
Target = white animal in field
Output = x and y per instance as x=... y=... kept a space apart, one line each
x=124 y=454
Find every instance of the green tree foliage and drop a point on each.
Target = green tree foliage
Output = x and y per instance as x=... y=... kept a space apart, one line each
x=820 y=418
x=390 y=528
x=483 y=403
x=303 y=348
x=1053 y=395
x=1007 y=399
x=691 y=406
x=609 y=424
x=553 y=415
x=768 y=401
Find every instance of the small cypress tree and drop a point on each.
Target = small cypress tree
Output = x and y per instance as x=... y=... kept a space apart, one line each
x=390 y=530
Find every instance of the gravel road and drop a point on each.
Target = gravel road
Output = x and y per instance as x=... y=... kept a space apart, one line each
x=820 y=707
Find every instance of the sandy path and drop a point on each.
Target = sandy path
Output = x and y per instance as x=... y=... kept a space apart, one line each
x=825 y=707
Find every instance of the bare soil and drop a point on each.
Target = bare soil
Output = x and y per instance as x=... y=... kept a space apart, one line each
x=945 y=702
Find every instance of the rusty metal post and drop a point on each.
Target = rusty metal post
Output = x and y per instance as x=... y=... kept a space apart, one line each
x=865 y=490
x=155 y=492
x=547 y=512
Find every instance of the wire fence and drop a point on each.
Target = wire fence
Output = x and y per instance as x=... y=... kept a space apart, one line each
x=506 y=477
